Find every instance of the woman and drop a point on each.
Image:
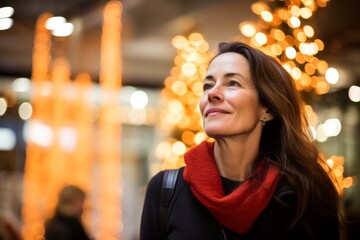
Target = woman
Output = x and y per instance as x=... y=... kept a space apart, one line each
x=261 y=178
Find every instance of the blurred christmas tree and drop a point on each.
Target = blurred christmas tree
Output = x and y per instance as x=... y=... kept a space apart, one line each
x=181 y=94
x=282 y=31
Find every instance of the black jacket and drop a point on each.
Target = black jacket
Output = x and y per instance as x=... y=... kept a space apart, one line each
x=63 y=227
x=189 y=219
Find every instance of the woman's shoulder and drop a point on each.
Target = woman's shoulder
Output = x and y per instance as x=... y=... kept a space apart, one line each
x=153 y=188
x=155 y=182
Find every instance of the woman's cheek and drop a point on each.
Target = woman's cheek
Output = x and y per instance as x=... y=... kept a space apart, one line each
x=202 y=104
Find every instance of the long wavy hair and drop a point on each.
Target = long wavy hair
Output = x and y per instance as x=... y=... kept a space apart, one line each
x=285 y=139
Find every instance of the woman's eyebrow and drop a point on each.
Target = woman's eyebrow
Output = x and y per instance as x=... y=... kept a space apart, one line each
x=209 y=77
x=228 y=75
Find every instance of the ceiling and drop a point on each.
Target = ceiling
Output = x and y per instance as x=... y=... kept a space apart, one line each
x=149 y=26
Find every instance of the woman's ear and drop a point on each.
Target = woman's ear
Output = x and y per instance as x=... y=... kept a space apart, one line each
x=269 y=115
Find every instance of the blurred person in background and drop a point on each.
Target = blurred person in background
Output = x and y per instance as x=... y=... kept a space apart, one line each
x=262 y=177
x=66 y=223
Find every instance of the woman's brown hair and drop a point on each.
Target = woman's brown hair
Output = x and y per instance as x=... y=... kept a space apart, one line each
x=285 y=139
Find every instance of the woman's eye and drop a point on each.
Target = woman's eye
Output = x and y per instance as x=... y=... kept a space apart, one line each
x=233 y=83
x=207 y=86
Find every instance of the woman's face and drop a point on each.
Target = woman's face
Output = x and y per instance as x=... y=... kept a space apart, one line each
x=230 y=102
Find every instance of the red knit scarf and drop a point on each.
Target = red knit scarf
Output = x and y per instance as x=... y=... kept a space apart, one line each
x=238 y=210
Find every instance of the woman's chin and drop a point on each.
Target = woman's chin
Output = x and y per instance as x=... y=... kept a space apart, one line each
x=214 y=133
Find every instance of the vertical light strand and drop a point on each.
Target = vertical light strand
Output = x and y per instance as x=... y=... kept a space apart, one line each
x=32 y=214
x=57 y=160
x=83 y=154
x=110 y=192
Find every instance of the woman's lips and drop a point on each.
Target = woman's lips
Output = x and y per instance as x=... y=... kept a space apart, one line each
x=215 y=111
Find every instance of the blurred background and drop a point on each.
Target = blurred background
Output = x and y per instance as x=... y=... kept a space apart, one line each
x=103 y=95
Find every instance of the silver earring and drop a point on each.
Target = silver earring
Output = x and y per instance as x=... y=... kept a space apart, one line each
x=263 y=120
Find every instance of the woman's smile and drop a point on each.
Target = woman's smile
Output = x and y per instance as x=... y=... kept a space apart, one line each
x=215 y=112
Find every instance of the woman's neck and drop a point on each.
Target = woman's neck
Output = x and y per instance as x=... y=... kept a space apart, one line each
x=235 y=158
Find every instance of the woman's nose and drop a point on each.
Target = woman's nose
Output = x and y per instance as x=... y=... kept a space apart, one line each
x=215 y=93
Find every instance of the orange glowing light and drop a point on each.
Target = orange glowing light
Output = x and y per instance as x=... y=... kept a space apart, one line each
x=35 y=160
x=110 y=205
x=65 y=111
x=183 y=89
